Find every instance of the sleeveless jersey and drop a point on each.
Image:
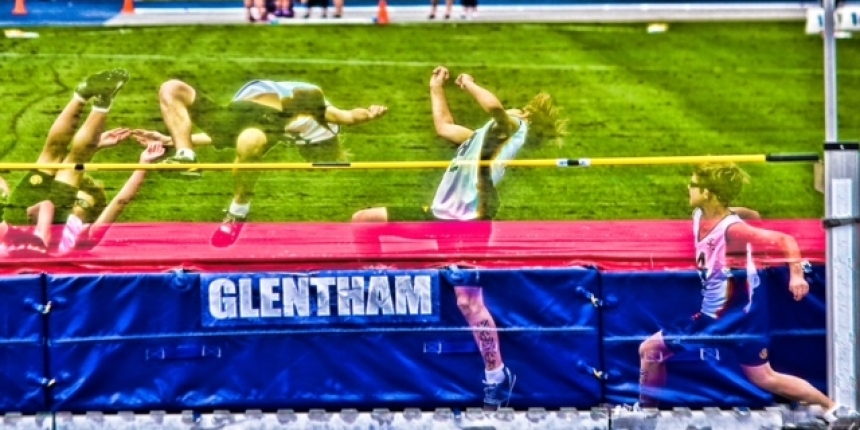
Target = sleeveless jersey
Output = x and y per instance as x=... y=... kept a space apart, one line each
x=302 y=130
x=720 y=293
x=459 y=195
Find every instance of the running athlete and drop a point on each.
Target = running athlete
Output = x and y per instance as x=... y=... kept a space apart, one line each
x=727 y=308
x=260 y=115
x=468 y=193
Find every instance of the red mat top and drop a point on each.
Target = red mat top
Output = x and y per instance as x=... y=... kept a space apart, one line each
x=610 y=245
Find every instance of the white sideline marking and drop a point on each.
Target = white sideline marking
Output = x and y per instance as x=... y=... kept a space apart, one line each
x=145 y=9
x=412 y=64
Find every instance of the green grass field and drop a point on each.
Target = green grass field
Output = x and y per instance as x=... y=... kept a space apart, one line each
x=704 y=88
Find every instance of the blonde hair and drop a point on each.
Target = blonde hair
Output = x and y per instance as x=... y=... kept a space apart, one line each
x=724 y=180
x=544 y=119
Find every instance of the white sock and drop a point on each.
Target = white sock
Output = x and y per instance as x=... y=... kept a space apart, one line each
x=239 y=209
x=830 y=414
x=73 y=228
x=77 y=97
x=186 y=152
x=496 y=376
x=101 y=109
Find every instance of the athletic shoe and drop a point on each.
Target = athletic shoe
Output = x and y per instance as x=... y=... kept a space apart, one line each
x=102 y=87
x=498 y=395
x=191 y=173
x=634 y=417
x=229 y=230
x=842 y=418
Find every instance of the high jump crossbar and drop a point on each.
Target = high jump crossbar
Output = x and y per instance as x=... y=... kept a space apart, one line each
x=554 y=162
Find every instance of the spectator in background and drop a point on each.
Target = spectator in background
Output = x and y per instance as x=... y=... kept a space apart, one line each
x=449 y=6
x=284 y=8
x=316 y=3
x=261 y=8
x=470 y=9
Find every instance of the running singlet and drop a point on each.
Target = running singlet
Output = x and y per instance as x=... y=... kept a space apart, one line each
x=718 y=285
x=302 y=130
x=458 y=195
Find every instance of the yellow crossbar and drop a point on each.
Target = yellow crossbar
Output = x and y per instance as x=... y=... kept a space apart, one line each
x=562 y=162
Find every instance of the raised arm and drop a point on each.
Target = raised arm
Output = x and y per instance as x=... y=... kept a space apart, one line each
x=354 y=116
x=489 y=102
x=113 y=137
x=745 y=233
x=145 y=137
x=443 y=121
x=114 y=209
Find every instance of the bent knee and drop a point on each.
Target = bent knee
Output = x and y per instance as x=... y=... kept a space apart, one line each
x=767 y=382
x=763 y=376
x=470 y=304
x=652 y=349
x=251 y=144
x=468 y=307
x=175 y=89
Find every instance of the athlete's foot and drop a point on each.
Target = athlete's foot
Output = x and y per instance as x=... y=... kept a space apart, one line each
x=102 y=86
x=21 y=244
x=634 y=416
x=191 y=173
x=842 y=417
x=498 y=395
x=228 y=232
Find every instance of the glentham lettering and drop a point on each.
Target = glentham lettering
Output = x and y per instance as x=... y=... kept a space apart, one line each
x=297 y=297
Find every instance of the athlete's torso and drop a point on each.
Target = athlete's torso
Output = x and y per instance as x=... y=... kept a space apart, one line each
x=720 y=292
x=303 y=129
x=468 y=191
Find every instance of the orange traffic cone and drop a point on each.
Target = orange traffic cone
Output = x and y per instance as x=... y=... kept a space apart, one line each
x=382 y=15
x=128 y=7
x=20 y=8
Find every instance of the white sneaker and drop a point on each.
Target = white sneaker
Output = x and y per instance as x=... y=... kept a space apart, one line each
x=634 y=417
x=843 y=418
x=633 y=410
